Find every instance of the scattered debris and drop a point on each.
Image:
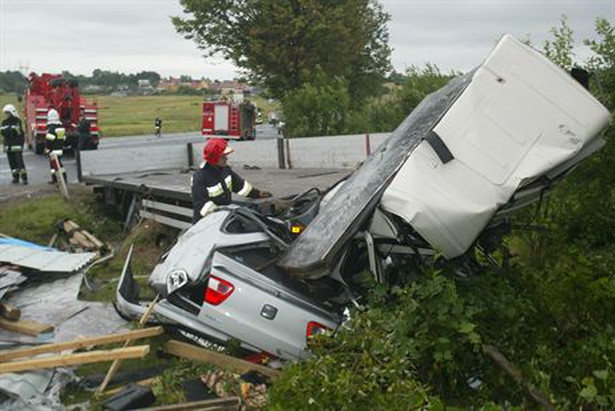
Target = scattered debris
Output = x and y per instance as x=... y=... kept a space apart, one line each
x=80 y=238
x=130 y=397
x=26 y=327
x=192 y=352
x=43 y=259
x=218 y=404
x=81 y=343
x=74 y=359
x=9 y=312
x=115 y=365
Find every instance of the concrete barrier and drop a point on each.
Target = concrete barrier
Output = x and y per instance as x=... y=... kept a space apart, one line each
x=130 y=159
x=331 y=151
x=311 y=152
x=260 y=153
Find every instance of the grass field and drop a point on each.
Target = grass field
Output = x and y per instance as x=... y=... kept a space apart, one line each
x=134 y=115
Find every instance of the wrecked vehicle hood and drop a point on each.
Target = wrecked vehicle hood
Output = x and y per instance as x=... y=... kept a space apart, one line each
x=469 y=149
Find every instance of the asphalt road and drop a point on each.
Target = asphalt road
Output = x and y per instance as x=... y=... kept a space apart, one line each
x=38 y=166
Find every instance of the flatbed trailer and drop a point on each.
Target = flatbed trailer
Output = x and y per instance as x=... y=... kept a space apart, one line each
x=170 y=190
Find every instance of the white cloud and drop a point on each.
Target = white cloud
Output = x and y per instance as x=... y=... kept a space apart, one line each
x=135 y=35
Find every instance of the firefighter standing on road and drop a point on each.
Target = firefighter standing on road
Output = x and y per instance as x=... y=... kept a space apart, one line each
x=54 y=144
x=83 y=131
x=158 y=125
x=12 y=131
x=214 y=182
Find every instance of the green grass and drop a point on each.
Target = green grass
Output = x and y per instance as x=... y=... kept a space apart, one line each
x=134 y=115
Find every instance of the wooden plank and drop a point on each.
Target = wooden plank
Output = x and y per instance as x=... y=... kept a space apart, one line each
x=9 y=312
x=25 y=327
x=228 y=403
x=148 y=382
x=170 y=208
x=165 y=220
x=66 y=360
x=86 y=342
x=223 y=361
x=77 y=236
x=116 y=363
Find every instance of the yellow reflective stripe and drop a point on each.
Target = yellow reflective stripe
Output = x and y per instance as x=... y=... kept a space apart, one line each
x=61 y=133
x=50 y=136
x=229 y=182
x=246 y=190
x=58 y=152
x=215 y=191
x=207 y=208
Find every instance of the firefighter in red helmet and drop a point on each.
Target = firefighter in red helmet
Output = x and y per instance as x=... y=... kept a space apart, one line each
x=214 y=182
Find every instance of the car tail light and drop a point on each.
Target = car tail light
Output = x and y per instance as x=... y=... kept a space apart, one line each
x=218 y=290
x=314 y=328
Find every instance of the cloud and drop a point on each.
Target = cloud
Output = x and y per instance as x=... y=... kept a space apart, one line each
x=135 y=35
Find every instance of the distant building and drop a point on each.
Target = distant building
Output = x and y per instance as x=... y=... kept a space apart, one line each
x=144 y=86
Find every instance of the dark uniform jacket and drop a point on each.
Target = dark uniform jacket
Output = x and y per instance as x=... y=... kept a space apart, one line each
x=212 y=186
x=12 y=132
x=55 y=138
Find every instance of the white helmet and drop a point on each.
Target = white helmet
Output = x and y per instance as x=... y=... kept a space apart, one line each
x=53 y=117
x=10 y=109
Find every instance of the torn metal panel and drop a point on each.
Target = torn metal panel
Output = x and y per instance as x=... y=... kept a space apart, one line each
x=43 y=260
x=522 y=120
x=461 y=156
x=55 y=302
x=9 y=279
x=15 y=241
x=352 y=204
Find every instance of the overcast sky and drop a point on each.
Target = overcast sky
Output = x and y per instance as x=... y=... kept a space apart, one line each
x=135 y=35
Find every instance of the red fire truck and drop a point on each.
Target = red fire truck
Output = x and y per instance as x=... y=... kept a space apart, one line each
x=228 y=120
x=53 y=91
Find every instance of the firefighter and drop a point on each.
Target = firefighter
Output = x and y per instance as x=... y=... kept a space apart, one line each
x=214 y=182
x=12 y=131
x=54 y=144
x=158 y=125
x=83 y=131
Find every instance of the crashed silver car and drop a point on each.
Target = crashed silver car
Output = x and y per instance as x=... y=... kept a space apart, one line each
x=491 y=141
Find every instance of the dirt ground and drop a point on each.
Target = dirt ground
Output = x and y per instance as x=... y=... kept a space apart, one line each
x=17 y=192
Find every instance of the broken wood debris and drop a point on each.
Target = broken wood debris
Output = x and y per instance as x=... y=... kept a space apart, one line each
x=116 y=363
x=9 y=312
x=229 y=403
x=65 y=360
x=80 y=237
x=81 y=343
x=26 y=327
x=189 y=351
x=148 y=382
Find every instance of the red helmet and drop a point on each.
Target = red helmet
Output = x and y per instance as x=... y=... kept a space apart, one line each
x=214 y=149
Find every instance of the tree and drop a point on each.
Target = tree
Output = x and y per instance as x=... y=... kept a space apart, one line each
x=603 y=63
x=278 y=43
x=320 y=107
x=560 y=49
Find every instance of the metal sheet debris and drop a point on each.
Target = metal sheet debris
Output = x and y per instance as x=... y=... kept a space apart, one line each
x=43 y=260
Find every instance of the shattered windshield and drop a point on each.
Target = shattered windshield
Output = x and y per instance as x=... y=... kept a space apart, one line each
x=314 y=250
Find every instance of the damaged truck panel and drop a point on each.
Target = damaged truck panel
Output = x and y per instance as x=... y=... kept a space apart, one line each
x=461 y=155
x=318 y=246
x=521 y=117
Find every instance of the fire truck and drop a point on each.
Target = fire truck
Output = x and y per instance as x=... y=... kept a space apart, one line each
x=229 y=120
x=53 y=91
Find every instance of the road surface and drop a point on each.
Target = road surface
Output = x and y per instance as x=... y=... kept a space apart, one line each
x=38 y=166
